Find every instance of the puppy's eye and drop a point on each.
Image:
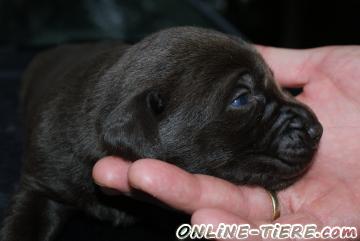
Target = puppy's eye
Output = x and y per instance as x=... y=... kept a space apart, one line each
x=240 y=100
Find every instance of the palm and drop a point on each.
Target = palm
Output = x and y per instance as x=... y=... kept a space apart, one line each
x=331 y=188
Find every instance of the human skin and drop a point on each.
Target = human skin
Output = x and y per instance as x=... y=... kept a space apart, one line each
x=329 y=194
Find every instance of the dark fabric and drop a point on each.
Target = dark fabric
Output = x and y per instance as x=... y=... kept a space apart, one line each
x=11 y=67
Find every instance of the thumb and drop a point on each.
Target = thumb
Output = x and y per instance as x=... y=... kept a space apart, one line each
x=292 y=67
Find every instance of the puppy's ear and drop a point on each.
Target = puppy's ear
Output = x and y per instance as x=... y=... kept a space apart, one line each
x=131 y=129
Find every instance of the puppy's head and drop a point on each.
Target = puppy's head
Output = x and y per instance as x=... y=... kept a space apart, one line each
x=208 y=103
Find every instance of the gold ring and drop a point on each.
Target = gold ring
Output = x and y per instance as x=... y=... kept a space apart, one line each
x=275 y=205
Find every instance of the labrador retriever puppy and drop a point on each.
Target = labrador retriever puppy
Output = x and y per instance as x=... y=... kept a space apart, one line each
x=202 y=100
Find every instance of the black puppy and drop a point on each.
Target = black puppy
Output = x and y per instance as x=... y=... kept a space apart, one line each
x=199 y=99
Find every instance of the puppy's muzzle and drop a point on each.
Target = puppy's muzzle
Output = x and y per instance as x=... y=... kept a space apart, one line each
x=303 y=120
x=299 y=134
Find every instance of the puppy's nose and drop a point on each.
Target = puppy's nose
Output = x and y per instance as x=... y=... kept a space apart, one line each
x=315 y=132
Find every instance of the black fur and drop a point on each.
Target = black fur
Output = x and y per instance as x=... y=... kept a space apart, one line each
x=167 y=97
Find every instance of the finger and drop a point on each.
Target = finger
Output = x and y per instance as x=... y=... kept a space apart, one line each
x=218 y=217
x=111 y=172
x=188 y=192
x=292 y=68
x=215 y=216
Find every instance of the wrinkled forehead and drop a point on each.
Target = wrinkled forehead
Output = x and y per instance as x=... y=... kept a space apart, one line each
x=218 y=63
x=210 y=74
x=193 y=46
x=193 y=60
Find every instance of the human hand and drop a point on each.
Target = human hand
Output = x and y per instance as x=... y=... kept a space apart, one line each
x=327 y=195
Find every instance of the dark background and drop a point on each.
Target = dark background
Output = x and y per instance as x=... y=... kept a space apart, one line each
x=29 y=26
